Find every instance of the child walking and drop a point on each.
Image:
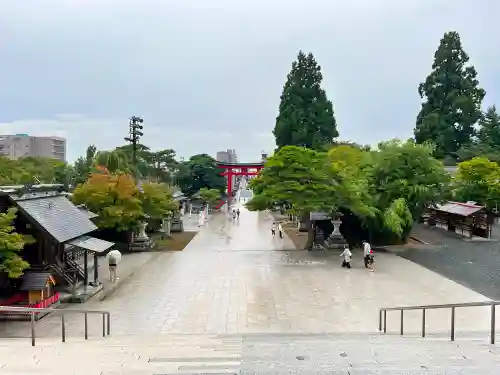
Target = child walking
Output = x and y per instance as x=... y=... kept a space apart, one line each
x=346 y=263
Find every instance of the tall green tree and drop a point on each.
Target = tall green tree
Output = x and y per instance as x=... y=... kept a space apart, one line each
x=489 y=131
x=83 y=165
x=305 y=116
x=162 y=165
x=452 y=99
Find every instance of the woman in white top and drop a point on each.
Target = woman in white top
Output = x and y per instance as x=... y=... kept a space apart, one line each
x=280 y=230
x=367 y=254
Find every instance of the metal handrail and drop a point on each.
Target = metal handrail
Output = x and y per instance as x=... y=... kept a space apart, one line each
x=32 y=311
x=382 y=317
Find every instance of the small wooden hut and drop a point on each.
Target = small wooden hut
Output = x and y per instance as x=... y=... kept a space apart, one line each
x=40 y=289
x=466 y=219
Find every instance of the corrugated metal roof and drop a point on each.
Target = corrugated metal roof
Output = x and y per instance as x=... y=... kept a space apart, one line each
x=58 y=216
x=91 y=244
x=458 y=208
x=35 y=280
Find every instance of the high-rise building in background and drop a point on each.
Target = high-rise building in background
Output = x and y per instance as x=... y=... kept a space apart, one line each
x=228 y=156
x=21 y=145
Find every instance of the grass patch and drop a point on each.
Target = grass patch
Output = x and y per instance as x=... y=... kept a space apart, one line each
x=176 y=242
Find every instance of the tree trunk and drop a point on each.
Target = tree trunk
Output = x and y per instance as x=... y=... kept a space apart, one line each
x=310 y=231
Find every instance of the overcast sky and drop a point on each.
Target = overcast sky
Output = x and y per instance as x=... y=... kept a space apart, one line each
x=207 y=75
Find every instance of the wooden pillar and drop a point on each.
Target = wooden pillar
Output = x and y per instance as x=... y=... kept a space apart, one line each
x=96 y=271
x=230 y=183
x=85 y=269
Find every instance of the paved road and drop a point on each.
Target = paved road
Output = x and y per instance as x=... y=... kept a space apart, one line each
x=235 y=278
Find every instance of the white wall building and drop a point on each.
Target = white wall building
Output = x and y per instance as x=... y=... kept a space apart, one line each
x=20 y=145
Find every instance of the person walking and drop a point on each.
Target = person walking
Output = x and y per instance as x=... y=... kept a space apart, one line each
x=238 y=213
x=346 y=263
x=280 y=230
x=273 y=229
x=114 y=257
x=367 y=255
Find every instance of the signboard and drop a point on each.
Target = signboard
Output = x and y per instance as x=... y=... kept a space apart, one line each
x=319 y=216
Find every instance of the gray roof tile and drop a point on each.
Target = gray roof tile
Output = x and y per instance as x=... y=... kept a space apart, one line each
x=91 y=244
x=35 y=280
x=58 y=216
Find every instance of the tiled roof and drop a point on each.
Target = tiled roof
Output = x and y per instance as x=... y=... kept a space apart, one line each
x=90 y=214
x=35 y=280
x=58 y=216
x=91 y=244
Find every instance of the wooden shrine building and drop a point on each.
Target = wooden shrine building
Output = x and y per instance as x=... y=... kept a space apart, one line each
x=64 y=248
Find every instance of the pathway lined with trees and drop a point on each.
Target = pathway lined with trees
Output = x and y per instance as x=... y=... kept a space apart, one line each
x=382 y=191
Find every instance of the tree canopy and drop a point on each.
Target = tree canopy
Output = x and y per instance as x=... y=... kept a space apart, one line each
x=210 y=196
x=386 y=189
x=11 y=244
x=305 y=116
x=478 y=180
x=33 y=170
x=452 y=100
x=199 y=172
x=157 y=201
x=114 y=197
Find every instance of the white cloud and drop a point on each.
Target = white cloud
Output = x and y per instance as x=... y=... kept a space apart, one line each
x=208 y=76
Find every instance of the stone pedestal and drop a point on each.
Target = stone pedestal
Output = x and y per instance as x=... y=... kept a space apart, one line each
x=141 y=241
x=336 y=240
x=176 y=224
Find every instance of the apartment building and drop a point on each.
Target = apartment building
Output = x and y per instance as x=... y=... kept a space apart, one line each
x=19 y=145
x=228 y=156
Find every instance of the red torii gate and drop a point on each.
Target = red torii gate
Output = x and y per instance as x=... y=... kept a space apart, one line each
x=238 y=169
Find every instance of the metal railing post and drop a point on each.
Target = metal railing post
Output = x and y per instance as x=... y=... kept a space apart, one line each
x=423 y=322
x=385 y=321
x=33 y=314
x=86 y=326
x=401 y=328
x=380 y=320
x=103 y=325
x=63 y=329
x=493 y=323
x=32 y=324
x=452 y=335
x=109 y=323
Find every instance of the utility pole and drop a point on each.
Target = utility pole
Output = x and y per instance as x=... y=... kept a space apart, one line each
x=135 y=127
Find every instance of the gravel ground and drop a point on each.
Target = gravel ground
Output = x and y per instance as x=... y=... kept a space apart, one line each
x=475 y=265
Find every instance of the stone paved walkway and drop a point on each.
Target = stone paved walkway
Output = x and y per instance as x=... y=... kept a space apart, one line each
x=234 y=277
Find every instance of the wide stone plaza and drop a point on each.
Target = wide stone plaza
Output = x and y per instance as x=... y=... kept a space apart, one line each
x=235 y=278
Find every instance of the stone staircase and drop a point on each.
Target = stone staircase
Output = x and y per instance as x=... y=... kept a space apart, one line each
x=250 y=354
